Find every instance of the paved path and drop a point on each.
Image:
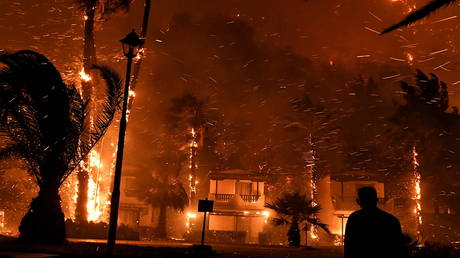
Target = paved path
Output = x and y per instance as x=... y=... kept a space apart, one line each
x=25 y=255
x=239 y=250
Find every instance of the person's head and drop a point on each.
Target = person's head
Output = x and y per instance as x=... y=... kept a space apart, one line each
x=367 y=197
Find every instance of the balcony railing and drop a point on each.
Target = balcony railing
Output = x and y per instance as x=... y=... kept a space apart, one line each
x=228 y=197
x=249 y=198
x=223 y=197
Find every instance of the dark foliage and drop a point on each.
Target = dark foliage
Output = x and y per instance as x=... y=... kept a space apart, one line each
x=419 y=14
x=295 y=209
x=163 y=193
x=45 y=122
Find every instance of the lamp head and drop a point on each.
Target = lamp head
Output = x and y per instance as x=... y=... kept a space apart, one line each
x=131 y=44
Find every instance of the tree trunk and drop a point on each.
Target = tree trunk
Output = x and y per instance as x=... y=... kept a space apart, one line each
x=81 y=212
x=162 y=222
x=306 y=238
x=89 y=45
x=137 y=65
x=89 y=59
x=44 y=222
x=294 y=234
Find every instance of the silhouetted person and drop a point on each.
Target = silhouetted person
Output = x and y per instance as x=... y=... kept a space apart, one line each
x=370 y=231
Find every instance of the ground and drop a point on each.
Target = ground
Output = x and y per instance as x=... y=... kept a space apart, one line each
x=94 y=248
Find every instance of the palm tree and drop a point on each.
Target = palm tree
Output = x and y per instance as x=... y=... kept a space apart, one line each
x=94 y=10
x=97 y=9
x=143 y=35
x=45 y=122
x=164 y=193
x=419 y=14
x=188 y=112
x=295 y=209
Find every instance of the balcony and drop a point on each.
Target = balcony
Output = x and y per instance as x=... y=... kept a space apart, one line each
x=227 y=197
x=237 y=201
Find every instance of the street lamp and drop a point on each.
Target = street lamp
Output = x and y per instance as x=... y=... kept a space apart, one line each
x=131 y=44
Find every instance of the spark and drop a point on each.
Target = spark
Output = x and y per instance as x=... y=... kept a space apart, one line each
x=442 y=66
x=375 y=16
x=445 y=19
x=425 y=60
x=391 y=76
x=372 y=30
x=397 y=59
x=438 y=52
x=363 y=56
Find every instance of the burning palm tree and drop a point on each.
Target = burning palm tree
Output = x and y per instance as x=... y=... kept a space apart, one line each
x=93 y=10
x=96 y=9
x=295 y=209
x=420 y=14
x=45 y=122
x=188 y=113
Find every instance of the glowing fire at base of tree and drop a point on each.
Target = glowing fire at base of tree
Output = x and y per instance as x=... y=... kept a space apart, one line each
x=313 y=187
x=190 y=221
x=417 y=192
x=98 y=198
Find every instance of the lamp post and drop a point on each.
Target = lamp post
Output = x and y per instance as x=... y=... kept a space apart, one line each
x=130 y=45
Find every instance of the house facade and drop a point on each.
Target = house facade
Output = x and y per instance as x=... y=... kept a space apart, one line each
x=136 y=214
x=239 y=212
x=337 y=197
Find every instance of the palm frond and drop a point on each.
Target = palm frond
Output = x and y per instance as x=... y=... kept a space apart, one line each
x=103 y=120
x=114 y=6
x=419 y=14
x=316 y=222
x=177 y=196
x=85 y=4
x=45 y=119
x=10 y=151
x=279 y=221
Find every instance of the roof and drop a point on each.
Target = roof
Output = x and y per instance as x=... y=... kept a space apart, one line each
x=237 y=174
x=357 y=176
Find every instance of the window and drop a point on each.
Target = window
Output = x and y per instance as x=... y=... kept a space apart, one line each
x=244 y=188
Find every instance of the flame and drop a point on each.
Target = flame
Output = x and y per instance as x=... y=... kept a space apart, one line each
x=84 y=76
x=2 y=220
x=313 y=187
x=94 y=204
x=410 y=58
x=140 y=55
x=410 y=5
x=266 y=215
x=192 y=163
x=417 y=192
x=190 y=220
x=132 y=93
x=98 y=195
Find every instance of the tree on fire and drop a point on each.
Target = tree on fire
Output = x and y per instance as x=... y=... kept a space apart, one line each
x=187 y=113
x=94 y=10
x=45 y=122
x=424 y=121
x=97 y=10
x=295 y=210
x=163 y=192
